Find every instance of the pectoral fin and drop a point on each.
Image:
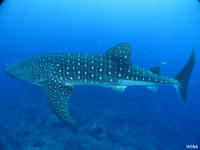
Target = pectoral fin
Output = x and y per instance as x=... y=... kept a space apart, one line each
x=58 y=95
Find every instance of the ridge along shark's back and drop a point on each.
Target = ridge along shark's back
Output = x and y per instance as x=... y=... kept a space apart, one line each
x=58 y=72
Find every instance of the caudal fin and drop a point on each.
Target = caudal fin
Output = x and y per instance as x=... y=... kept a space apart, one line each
x=184 y=76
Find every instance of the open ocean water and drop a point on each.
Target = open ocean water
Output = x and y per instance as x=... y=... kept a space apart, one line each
x=161 y=32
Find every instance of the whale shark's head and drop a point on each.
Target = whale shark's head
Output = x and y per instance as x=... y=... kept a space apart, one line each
x=19 y=70
x=31 y=70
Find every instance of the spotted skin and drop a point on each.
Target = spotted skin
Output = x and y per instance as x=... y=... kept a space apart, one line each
x=58 y=95
x=58 y=72
x=74 y=68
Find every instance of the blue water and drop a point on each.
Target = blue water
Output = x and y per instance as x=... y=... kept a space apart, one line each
x=160 y=31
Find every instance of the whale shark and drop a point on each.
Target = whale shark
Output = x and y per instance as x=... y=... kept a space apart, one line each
x=59 y=73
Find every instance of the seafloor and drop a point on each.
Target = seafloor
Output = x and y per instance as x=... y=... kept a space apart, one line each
x=104 y=120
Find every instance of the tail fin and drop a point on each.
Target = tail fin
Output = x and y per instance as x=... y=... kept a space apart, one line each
x=184 y=76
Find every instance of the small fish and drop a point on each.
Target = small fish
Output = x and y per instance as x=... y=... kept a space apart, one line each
x=164 y=62
x=58 y=73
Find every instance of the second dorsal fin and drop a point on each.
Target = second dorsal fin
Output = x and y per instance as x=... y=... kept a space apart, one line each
x=122 y=51
x=155 y=70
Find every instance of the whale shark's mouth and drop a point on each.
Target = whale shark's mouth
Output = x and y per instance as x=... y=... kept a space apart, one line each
x=15 y=72
x=8 y=72
x=14 y=75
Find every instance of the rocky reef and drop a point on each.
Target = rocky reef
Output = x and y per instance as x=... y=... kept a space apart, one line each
x=104 y=120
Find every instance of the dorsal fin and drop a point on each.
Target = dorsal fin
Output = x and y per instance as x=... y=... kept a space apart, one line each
x=122 y=51
x=155 y=70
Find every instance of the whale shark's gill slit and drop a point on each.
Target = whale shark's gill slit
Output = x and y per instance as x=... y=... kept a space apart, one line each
x=58 y=95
